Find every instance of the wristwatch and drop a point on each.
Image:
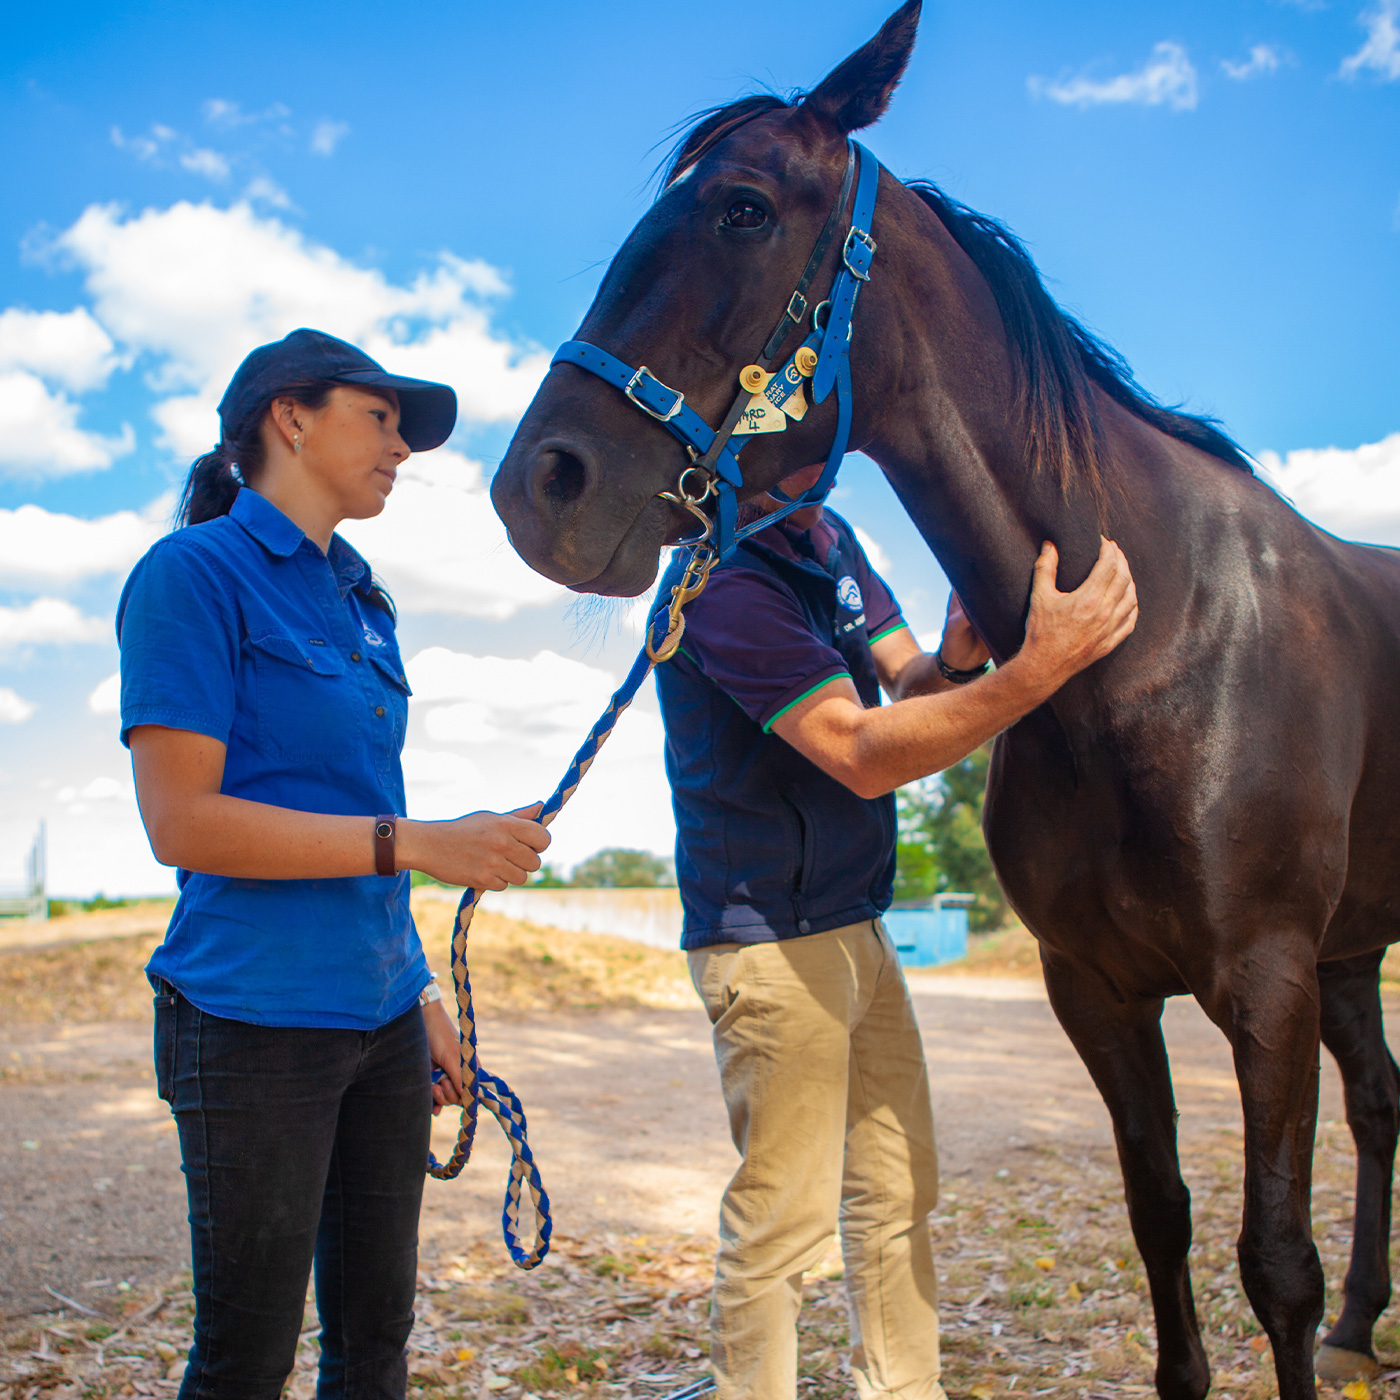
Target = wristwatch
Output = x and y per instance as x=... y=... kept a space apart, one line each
x=951 y=673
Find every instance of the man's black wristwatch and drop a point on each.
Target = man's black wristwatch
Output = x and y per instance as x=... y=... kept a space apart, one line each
x=958 y=677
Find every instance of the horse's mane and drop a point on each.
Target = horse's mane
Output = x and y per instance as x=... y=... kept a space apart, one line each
x=1055 y=358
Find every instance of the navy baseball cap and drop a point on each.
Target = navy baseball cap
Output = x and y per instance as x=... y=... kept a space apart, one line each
x=427 y=411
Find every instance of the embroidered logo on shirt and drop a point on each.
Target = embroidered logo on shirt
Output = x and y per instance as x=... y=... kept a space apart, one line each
x=373 y=637
x=848 y=593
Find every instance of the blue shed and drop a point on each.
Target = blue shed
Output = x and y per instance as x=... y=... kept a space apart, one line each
x=930 y=931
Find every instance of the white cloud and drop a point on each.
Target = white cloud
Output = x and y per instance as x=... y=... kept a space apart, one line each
x=48 y=620
x=202 y=161
x=64 y=347
x=1263 y=58
x=441 y=547
x=226 y=115
x=39 y=433
x=327 y=135
x=1381 y=51
x=98 y=790
x=36 y=544
x=142 y=147
x=106 y=698
x=879 y=560
x=520 y=722
x=1353 y=492
x=268 y=192
x=197 y=287
x=1168 y=78
x=14 y=709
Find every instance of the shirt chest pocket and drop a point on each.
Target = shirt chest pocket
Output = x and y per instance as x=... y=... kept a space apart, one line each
x=393 y=683
x=305 y=708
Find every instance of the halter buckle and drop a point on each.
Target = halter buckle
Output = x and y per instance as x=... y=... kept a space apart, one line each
x=633 y=384
x=796 y=307
x=858 y=253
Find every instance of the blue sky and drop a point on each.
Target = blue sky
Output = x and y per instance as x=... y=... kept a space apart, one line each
x=1215 y=188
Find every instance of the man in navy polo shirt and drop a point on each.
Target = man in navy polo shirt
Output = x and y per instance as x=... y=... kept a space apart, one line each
x=782 y=765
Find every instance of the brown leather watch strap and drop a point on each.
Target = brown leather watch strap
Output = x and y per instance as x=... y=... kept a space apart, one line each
x=384 y=828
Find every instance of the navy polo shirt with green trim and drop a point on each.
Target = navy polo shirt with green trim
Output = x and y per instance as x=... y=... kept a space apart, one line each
x=243 y=630
x=769 y=846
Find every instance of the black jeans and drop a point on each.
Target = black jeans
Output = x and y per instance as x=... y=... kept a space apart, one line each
x=298 y=1145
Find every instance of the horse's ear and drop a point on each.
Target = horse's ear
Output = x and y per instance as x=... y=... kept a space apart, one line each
x=858 y=92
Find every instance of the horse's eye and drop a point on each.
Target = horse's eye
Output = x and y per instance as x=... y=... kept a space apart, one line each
x=744 y=213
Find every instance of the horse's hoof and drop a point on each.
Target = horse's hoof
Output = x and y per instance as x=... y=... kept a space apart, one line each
x=1339 y=1364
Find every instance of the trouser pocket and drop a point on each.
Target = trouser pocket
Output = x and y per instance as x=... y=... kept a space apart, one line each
x=165 y=1035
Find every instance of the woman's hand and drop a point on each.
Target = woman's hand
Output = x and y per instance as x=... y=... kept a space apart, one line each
x=483 y=851
x=445 y=1051
x=961 y=648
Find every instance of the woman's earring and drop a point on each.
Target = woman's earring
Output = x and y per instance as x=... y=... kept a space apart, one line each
x=296 y=444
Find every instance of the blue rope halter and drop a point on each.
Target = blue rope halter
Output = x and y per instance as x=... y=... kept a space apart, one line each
x=824 y=357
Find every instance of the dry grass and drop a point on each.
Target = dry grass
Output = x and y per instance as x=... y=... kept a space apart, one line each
x=514 y=967
x=1042 y=1290
x=1042 y=1295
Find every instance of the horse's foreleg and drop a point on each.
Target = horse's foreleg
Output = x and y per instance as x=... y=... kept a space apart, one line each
x=1122 y=1048
x=1352 y=1030
x=1268 y=1005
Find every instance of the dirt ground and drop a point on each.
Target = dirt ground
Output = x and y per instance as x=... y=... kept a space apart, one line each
x=1042 y=1292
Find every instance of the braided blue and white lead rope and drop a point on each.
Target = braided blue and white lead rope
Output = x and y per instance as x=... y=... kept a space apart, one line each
x=478 y=1086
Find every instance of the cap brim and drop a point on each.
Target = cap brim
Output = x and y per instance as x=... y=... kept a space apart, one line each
x=427 y=411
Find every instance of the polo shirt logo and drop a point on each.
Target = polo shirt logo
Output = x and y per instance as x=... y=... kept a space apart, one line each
x=848 y=593
x=373 y=637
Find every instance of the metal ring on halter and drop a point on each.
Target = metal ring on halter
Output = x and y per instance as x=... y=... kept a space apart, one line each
x=820 y=325
x=682 y=497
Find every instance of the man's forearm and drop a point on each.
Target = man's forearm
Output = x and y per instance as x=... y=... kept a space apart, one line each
x=899 y=743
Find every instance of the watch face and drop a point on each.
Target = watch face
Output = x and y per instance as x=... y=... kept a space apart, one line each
x=384 y=831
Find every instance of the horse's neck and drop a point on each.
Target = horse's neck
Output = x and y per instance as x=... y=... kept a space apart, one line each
x=947 y=432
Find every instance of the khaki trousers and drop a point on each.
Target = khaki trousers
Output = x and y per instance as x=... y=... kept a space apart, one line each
x=823 y=1074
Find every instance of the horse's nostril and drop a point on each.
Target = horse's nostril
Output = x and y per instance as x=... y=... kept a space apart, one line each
x=563 y=478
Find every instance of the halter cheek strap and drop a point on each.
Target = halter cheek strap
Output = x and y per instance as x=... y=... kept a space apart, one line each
x=714 y=453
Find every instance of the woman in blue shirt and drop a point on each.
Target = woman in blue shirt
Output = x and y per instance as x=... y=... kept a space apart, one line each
x=265 y=705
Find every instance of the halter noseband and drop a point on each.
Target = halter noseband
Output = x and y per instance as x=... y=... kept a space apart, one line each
x=765 y=400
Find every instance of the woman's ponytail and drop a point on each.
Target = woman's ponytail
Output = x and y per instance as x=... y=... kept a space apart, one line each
x=215 y=478
x=210 y=488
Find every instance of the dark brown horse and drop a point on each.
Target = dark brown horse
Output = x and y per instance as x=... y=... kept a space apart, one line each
x=1214 y=809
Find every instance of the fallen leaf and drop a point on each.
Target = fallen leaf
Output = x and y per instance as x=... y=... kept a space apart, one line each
x=1357 y=1390
x=1072 y=1292
x=1045 y=1262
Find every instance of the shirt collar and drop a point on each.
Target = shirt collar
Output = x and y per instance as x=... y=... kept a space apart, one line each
x=261 y=519
x=348 y=566
x=281 y=536
x=815 y=545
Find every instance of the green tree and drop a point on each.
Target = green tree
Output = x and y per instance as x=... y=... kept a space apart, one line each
x=616 y=868
x=940 y=840
x=546 y=878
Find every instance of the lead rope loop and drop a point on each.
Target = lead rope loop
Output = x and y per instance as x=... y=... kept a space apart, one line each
x=664 y=632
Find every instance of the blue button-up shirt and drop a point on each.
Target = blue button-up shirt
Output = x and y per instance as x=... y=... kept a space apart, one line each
x=242 y=629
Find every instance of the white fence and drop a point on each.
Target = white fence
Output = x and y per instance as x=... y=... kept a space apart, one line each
x=651 y=916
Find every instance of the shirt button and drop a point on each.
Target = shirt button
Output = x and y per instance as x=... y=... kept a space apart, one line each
x=354 y=656
x=379 y=710
x=804 y=927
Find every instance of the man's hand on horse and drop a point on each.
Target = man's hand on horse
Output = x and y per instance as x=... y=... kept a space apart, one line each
x=1065 y=632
